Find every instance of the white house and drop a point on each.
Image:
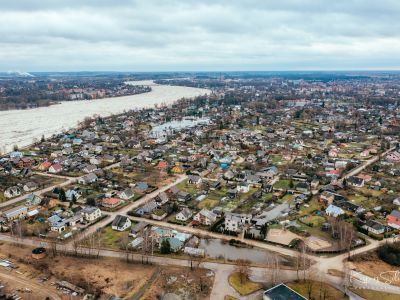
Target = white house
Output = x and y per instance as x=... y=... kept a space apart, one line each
x=333 y=210
x=126 y=194
x=234 y=222
x=87 y=179
x=243 y=187
x=205 y=217
x=13 y=191
x=184 y=215
x=56 y=168
x=91 y=213
x=121 y=223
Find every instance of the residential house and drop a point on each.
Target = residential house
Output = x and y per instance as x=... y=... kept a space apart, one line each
x=183 y=196
x=302 y=187
x=88 y=178
x=184 y=215
x=326 y=197
x=158 y=214
x=111 y=202
x=55 y=168
x=393 y=219
x=15 y=213
x=141 y=187
x=137 y=228
x=71 y=194
x=194 y=179
x=243 y=187
x=91 y=213
x=334 y=211
x=11 y=192
x=161 y=199
x=30 y=186
x=147 y=208
x=44 y=166
x=56 y=223
x=234 y=222
x=205 y=217
x=126 y=194
x=121 y=223
x=355 y=181
x=393 y=157
x=374 y=227
x=32 y=200
x=89 y=169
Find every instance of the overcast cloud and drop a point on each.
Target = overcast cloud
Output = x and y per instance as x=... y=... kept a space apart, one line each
x=150 y=35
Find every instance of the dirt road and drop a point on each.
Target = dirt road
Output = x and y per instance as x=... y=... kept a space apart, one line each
x=38 y=291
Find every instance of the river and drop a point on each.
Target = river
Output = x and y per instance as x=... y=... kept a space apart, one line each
x=21 y=127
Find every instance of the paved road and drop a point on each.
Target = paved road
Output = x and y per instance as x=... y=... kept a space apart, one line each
x=37 y=193
x=214 y=235
x=68 y=180
x=367 y=163
x=124 y=210
x=221 y=287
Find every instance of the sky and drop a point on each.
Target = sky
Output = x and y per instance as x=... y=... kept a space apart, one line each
x=199 y=35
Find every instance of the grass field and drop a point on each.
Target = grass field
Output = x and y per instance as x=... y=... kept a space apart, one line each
x=316 y=289
x=247 y=288
x=112 y=239
x=312 y=206
x=357 y=199
x=276 y=158
x=208 y=203
x=372 y=295
x=282 y=184
x=316 y=221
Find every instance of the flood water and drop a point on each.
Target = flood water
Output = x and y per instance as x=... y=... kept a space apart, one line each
x=218 y=249
x=21 y=127
x=177 y=125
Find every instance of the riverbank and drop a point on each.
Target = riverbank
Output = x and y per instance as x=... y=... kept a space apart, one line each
x=21 y=127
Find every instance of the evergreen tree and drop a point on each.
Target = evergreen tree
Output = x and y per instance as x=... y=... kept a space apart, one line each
x=61 y=195
x=165 y=247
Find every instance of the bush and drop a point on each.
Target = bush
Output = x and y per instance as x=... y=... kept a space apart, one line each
x=390 y=253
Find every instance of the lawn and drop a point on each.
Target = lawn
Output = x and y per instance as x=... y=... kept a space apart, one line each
x=111 y=238
x=316 y=221
x=316 y=231
x=317 y=288
x=267 y=197
x=217 y=194
x=186 y=187
x=244 y=289
x=208 y=203
x=282 y=184
x=357 y=199
x=287 y=198
x=372 y=295
x=312 y=206
x=367 y=191
x=276 y=158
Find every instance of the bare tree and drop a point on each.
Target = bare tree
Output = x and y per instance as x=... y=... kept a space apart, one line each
x=76 y=244
x=125 y=246
x=310 y=284
x=53 y=247
x=243 y=268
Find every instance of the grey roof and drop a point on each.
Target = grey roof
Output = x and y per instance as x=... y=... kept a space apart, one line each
x=395 y=213
x=119 y=221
